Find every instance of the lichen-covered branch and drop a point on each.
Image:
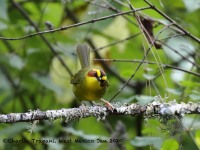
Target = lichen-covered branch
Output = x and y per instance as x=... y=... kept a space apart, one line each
x=100 y=112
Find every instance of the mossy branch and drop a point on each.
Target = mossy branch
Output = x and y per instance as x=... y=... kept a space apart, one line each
x=171 y=108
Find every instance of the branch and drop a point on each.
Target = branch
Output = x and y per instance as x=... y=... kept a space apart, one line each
x=25 y=15
x=75 y=25
x=171 y=108
x=174 y=22
x=149 y=62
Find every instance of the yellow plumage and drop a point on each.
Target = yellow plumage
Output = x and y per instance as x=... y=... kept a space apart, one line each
x=88 y=83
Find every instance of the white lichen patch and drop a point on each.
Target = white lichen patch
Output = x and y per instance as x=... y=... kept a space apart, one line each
x=173 y=108
x=157 y=107
x=149 y=110
x=50 y=115
x=123 y=109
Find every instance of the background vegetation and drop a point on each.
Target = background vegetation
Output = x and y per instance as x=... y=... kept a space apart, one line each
x=35 y=71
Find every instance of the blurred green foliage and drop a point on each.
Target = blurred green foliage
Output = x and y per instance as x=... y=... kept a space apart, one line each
x=31 y=76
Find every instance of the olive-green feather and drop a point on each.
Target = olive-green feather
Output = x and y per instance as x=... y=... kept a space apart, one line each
x=83 y=52
x=79 y=76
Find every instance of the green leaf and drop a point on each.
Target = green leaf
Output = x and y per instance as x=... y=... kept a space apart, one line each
x=149 y=76
x=197 y=138
x=83 y=135
x=48 y=83
x=174 y=91
x=90 y=137
x=192 y=5
x=14 y=129
x=3 y=10
x=195 y=97
x=5 y=85
x=143 y=99
x=152 y=126
x=189 y=123
x=3 y=14
x=181 y=45
x=189 y=83
x=144 y=141
x=15 y=61
x=37 y=60
x=129 y=99
x=170 y=144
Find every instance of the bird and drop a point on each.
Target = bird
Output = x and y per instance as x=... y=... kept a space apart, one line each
x=89 y=84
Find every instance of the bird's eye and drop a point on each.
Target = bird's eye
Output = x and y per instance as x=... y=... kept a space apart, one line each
x=92 y=73
x=97 y=73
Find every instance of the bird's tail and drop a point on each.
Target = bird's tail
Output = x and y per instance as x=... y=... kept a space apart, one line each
x=83 y=52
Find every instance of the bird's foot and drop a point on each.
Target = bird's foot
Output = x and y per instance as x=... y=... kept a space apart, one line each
x=107 y=104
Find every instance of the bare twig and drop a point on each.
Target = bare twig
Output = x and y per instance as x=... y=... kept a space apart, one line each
x=118 y=42
x=181 y=55
x=143 y=59
x=150 y=62
x=25 y=15
x=75 y=25
x=174 y=22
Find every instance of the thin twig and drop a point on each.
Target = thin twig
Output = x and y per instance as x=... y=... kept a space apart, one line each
x=181 y=55
x=110 y=70
x=174 y=22
x=143 y=59
x=25 y=15
x=117 y=42
x=149 y=62
x=75 y=25
x=127 y=82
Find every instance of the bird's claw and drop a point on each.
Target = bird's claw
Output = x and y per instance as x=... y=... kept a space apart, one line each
x=107 y=104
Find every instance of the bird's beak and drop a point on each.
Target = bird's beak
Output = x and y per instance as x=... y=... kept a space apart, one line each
x=99 y=79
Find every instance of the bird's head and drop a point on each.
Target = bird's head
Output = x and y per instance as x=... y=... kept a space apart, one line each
x=100 y=76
